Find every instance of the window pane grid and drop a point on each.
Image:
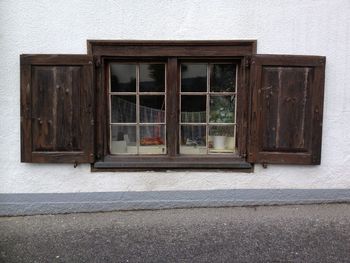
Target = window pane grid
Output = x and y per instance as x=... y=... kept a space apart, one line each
x=223 y=123
x=154 y=139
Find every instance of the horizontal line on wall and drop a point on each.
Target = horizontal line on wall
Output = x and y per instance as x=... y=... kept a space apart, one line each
x=55 y=203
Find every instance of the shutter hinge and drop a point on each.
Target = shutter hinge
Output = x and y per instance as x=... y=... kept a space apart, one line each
x=98 y=62
x=247 y=62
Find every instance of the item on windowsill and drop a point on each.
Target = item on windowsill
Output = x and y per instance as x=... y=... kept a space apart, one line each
x=219 y=142
x=119 y=147
x=198 y=141
x=190 y=142
x=151 y=141
x=221 y=137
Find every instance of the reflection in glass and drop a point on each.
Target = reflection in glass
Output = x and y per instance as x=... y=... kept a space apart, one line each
x=221 y=139
x=222 y=109
x=152 y=108
x=193 y=77
x=152 y=77
x=123 y=77
x=152 y=139
x=123 y=109
x=193 y=139
x=123 y=140
x=223 y=78
x=193 y=108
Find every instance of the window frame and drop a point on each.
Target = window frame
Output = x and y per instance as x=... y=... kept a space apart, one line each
x=172 y=52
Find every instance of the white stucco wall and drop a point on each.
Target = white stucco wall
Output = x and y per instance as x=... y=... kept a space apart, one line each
x=290 y=26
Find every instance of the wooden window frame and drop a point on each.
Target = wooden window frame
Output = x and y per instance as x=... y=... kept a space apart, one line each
x=171 y=52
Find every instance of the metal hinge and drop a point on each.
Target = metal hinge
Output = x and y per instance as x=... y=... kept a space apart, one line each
x=98 y=62
x=247 y=62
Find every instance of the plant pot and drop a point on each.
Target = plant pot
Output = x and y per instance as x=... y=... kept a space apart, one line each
x=219 y=142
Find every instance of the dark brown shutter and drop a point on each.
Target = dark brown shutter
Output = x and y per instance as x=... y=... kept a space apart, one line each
x=57 y=109
x=286 y=109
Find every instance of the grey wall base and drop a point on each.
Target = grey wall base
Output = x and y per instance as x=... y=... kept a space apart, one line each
x=55 y=203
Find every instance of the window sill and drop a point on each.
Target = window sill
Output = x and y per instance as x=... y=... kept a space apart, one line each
x=158 y=162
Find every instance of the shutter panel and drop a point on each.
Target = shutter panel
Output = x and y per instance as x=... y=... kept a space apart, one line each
x=286 y=109
x=57 y=109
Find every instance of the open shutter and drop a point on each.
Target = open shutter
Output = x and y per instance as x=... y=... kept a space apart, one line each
x=286 y=109
x=57 y=109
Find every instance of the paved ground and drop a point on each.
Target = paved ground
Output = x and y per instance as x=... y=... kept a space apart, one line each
x=309 y=233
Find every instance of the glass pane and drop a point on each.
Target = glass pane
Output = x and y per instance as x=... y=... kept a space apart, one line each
x=193 y=139
x=193 y=108
x=221 y=139
x=123 y=140
x=152 y=108
x=123 y=77
x=193 y=77
x=123 y=109
x=152 y=77
x=223 y=78
x=152 y=139
x=222 y=109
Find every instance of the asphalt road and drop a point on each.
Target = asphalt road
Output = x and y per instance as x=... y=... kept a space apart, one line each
x=306 y=233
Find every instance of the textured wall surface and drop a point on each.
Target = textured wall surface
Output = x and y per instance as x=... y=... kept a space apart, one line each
x=291 y=27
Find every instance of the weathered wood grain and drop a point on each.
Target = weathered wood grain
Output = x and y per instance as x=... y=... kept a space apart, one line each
x=156 y=48
x=57 y=108
x=286 y=119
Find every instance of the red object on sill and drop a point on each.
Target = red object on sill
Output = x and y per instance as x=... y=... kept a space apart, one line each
x=151 y=141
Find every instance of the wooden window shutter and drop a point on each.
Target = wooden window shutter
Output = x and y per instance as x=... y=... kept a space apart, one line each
x=286 y=109
x=57 y=109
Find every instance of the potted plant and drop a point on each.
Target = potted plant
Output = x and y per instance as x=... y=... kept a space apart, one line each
x=221 y=137
x=222 y=111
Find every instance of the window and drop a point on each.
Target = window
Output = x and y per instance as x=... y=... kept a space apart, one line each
x=207 y=108
x=137 y=108
x=171 y=104
x=187 y=123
